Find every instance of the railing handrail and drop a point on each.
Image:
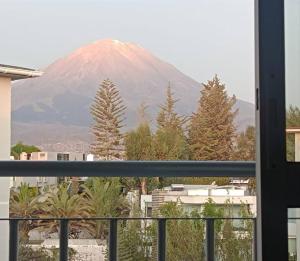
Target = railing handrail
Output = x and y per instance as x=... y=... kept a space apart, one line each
x=123 y=218
x=112 y=241
x=127 y=168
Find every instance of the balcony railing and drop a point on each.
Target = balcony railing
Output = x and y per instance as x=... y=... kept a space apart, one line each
x=127 y=169
x=112 y=242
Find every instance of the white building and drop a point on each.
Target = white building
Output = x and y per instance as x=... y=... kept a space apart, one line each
x=53 y=156
x=46 y=156
x=193 y=197
x=7 y=75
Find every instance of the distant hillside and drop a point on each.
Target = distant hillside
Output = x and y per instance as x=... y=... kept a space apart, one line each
x=60 y=100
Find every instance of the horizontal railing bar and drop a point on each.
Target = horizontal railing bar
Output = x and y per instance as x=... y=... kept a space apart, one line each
x=128 y=168
x=126 y=218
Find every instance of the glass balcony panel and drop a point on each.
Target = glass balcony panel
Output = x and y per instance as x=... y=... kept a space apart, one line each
x=292 y=65
x=293 y=233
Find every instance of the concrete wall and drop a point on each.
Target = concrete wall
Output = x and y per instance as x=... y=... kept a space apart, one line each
x=5 y=137
x=5 y=118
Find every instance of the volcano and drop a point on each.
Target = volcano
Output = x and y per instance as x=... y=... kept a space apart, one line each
x=55 y=108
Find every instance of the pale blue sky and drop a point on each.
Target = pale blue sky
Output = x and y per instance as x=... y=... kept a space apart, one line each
x=199 y=37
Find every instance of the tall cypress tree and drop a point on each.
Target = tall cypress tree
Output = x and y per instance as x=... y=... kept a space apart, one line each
x=212 y=129
x=169 y=140
x=108 y=115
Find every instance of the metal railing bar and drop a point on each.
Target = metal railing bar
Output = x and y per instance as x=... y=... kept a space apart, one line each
x=254 y=247
x=124 y=218
x=210 y=240
x=161 y=242
x=113 y=223
x=63 y=240
x=13 y=239
x=113 y=230
x=128 y=168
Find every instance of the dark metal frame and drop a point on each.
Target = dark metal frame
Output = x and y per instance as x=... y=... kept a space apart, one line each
x=125 y=169
x=128 y=168
x=277 y=179
x=113 y=235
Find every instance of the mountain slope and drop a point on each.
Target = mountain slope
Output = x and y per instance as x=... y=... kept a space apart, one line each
x=63 y=95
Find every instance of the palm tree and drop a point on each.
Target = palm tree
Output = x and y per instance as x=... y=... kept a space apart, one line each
x=24 y=203
x=105 y=200
x=59 y=203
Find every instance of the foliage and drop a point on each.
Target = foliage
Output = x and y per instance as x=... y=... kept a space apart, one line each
x=24 y=204
x=169 y=140
x=185 y=237
x=212 y=129
x=245 y=148
x=26 y=252
x=135 y=239
x=104 y=199
x=59 y=203
x=138 y=143
x=139 y=146
x=235 y=240
x=197 y=181
x=107 y=112
x=18 y=148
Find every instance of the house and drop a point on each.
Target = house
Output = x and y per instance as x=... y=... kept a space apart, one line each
x=193 y=197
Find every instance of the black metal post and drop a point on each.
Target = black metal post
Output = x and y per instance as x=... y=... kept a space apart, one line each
x=63 y=240
x=13 y=239
x=113 y=230
x=210 y=240
x=254 y=240
x=161 y=239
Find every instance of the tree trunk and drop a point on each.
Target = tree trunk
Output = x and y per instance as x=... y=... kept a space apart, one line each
x=144 y=186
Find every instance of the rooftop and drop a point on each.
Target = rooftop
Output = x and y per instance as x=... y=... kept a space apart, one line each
x=18 y=73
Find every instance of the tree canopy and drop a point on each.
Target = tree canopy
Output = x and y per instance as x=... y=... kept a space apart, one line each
x=20 y=147
x=212 y=129
x=108 y=115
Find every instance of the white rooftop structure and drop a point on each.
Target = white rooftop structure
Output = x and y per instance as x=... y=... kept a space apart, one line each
x=18 y=73
x=195 y=196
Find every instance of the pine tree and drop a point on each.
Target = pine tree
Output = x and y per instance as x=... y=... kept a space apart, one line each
x=108 y=115
x=212 y=129
x=169 y=140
